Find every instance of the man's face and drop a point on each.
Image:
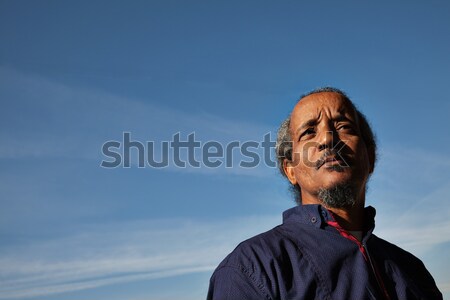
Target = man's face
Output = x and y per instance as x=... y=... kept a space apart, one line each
x=328 y=149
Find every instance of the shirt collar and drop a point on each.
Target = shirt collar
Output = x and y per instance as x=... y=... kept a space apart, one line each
x=316 y=215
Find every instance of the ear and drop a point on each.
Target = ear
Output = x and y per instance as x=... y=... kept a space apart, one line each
x=289 y=171
x=371 y=154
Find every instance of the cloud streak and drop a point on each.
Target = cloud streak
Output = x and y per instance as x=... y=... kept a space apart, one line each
x=62 y=121
x=75 y=122
x=89 y=117
x=116 y=253
x=121 y=253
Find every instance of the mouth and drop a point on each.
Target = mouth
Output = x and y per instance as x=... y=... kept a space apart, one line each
x=331 y=161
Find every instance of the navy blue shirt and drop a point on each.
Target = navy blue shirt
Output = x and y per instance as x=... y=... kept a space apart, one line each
x=310 y=257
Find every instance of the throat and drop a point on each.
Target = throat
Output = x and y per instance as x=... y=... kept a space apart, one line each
x=351 y=219
x=357 y=234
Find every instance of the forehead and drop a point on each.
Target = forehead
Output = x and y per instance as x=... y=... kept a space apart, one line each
x=313 y=106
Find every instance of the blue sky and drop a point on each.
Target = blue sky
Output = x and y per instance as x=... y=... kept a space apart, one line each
x=76 y=74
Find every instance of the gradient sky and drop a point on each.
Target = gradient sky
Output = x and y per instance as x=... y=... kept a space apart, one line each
x=76 y=74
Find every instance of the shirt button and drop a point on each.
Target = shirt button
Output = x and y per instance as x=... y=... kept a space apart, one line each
x=313 y=220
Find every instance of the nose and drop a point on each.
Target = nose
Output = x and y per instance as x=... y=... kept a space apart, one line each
x=327 y=140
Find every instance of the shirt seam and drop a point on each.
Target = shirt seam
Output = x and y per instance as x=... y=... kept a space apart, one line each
x=245 y=271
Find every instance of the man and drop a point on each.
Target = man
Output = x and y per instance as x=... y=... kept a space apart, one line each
x=325 y=248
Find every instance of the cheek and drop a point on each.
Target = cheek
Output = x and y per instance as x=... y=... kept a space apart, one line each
x=297 y=155
x=310 y=155
x=304 y=154
x=304 y=159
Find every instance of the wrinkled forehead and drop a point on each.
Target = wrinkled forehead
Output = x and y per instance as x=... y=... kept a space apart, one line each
x=313 y=106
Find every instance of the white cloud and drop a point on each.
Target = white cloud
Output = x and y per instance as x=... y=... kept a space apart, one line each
x=419 y=226
x=121 y=253
x=87 y=114
x=72 y=122
x=116 y=253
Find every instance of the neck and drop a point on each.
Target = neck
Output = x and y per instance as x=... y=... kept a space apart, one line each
x=351 y=218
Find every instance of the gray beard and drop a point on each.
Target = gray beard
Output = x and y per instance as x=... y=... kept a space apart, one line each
x=339 y=196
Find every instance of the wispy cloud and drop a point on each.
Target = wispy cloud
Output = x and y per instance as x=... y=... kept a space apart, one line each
x=106 y=254
x=123 y=252
x=424 y=233
x=48 y=119
x=103 y=255
x=422 y=228
x=411 y=189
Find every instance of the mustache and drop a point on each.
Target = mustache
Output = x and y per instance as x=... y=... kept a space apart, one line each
x=342 y=158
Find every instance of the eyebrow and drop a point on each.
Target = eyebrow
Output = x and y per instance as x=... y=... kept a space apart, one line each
x=309 y=123
x=342 y=117
x=313 y=122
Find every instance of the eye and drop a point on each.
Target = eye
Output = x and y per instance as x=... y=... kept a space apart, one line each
x=345 y=127
x=307 y=132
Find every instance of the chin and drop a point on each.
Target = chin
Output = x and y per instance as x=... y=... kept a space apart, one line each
x=337 y=178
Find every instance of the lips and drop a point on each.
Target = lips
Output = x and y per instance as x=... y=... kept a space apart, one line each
x=331 y=160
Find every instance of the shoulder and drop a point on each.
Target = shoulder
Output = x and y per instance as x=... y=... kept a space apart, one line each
x=256 y=250
x=253 y=266
x=242 y=275
x=393 y=252
x=405 y=269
